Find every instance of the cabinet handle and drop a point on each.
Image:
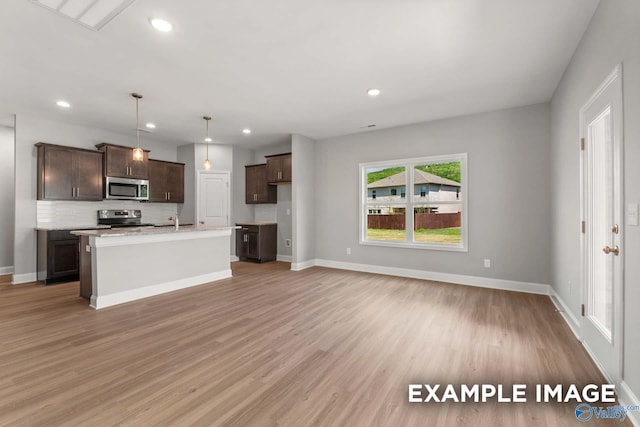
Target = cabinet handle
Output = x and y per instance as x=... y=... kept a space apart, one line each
x=169 y=195
x=77 y=191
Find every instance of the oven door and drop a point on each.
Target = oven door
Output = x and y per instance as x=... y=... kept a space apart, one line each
x=126 y=189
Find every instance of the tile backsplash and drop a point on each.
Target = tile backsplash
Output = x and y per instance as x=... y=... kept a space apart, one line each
x=76 y=214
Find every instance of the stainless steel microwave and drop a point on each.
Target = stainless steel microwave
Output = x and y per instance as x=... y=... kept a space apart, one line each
x=126 y=188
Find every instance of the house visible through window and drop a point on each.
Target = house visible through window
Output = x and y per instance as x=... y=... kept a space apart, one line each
x=432 y=217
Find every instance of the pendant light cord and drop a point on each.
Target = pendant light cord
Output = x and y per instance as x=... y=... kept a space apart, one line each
x=138 y=122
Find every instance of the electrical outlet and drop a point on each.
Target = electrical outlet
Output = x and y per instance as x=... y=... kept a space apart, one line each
x=348 y=251
x=487 y=263
x=87 y=248
x=288 y=211
x=287 y=243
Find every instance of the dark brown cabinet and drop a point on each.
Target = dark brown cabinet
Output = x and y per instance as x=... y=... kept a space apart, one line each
x=58 y=256
x=67 y=173
x=118 y=162
x=257 y=189
x=166 y=181
x=257 y=242
x=279 y=169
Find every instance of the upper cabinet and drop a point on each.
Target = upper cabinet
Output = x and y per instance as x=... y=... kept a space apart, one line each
x=279 y=169
x=257 y=189
x=166 y=181
x=118 y=162
x=67 y=173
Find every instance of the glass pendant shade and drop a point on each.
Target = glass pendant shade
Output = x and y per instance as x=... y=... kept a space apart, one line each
x=207 y=164
x=138 y=153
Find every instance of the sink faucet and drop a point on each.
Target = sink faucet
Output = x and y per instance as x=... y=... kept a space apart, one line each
x=175 y=220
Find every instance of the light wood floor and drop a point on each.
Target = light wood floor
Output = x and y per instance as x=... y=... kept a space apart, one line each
x=273 y=347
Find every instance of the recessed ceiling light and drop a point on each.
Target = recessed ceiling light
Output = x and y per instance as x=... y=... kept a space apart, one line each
x=150 y=125
x=63 y=104
x=246 y=131
x=373 y=92
x=161 y=25
x=207 y=139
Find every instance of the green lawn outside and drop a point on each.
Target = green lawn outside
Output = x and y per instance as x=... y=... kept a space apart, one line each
x=436 y=235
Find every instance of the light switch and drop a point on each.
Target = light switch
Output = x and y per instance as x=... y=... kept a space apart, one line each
x=632 y=214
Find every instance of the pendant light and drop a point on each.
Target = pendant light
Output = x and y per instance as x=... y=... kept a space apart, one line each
x=207 y=163
x=138 y=153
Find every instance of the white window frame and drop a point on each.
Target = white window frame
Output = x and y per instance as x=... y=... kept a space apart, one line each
x=409 y=203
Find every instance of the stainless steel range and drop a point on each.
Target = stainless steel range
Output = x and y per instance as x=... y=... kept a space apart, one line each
x=121 y=218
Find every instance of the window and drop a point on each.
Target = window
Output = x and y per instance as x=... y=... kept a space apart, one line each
x=433 y=216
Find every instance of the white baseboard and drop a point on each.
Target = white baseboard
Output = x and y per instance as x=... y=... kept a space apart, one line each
x=297 y=266
x=99 y=302
x=483 y=282
x=626 y=397
x=6 y=270
x=234 y=258
x=284 y=258
x=566 y=313
x=24 y=278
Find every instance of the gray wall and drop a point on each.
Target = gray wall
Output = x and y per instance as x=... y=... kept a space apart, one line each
x=612 y=37
x=30 y=130
x=508 y=167
x=6 y=199
x=304 y=166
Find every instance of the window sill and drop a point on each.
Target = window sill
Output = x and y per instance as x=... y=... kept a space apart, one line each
x=409 y=245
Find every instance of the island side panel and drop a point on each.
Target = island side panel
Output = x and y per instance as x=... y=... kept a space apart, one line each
x=132 y=271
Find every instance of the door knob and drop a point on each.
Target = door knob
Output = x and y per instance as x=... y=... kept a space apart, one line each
x=201 y=222
x=614 y=250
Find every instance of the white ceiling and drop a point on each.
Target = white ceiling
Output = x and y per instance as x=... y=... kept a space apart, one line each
x=286 y=66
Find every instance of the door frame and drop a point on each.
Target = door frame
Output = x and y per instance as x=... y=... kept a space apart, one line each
x=613 y=80
x=206 y=172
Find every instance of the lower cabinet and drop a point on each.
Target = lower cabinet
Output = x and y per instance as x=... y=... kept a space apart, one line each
x=257 y=242
x=58 y=256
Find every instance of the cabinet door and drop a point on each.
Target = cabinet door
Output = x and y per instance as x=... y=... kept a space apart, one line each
x=157 y=181
x=253 y=245
x=175 y=182
x=274 y=166
x=261 y=183
x=58 y=176
x=241 y=244
x=138 y=169
x=87 y=175
x=117 y=161
x=63 y=258
x=250 y=185
x=286 y=168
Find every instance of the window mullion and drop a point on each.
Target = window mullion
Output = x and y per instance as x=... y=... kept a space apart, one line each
x=409 y=201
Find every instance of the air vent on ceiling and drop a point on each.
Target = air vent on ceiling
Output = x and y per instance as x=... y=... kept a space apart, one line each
x=93 y=14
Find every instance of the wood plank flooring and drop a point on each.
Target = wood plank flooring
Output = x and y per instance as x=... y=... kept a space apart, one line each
x=272 y=347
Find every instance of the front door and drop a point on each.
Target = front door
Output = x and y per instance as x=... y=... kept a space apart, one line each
x=601 y=202
x=213 y=198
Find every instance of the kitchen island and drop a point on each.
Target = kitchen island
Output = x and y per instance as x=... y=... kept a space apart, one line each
x=122 y=265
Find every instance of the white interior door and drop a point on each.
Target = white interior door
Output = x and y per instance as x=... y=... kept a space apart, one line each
x=213 y=198
x=601 y=170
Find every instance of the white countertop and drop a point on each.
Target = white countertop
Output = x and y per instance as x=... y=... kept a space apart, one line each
x=142 y=231
x=257 y=223
x=70 y=228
